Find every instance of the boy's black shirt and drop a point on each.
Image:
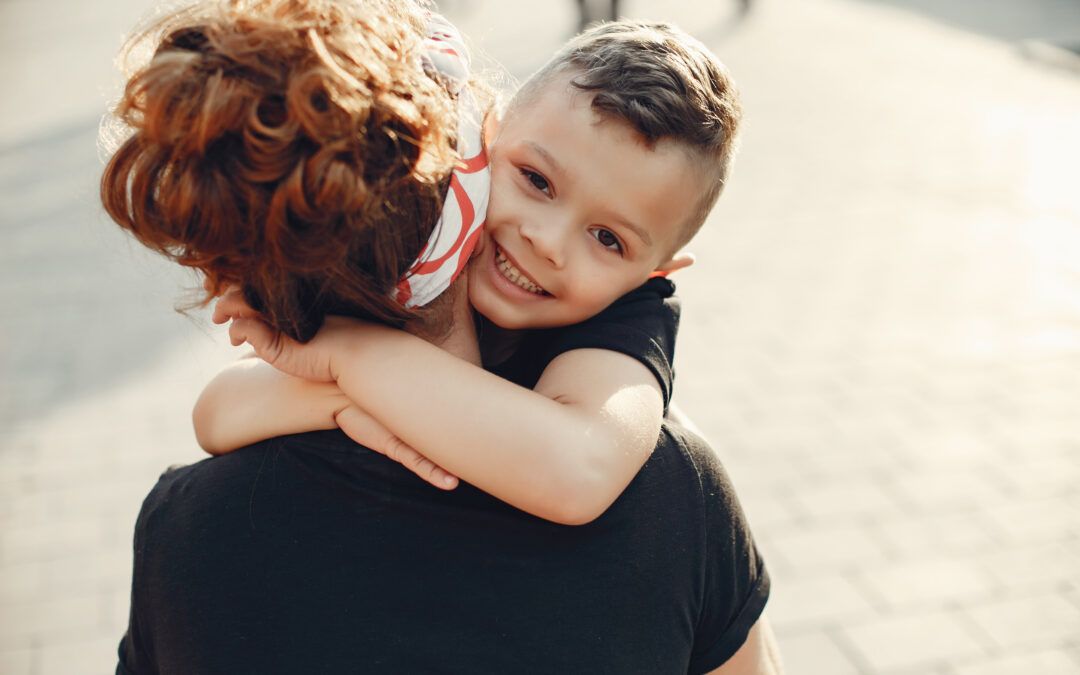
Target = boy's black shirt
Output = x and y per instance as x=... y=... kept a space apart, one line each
x=642 y=324
x=308 y=553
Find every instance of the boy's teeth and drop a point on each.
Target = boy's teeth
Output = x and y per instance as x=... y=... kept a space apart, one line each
x=514 y=274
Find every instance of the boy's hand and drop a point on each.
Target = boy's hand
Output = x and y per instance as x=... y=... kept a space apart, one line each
x=310 y=361
x=366 y=431
x=231 y=305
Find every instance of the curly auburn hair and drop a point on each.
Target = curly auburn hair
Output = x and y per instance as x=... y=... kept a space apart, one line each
x=294 y=147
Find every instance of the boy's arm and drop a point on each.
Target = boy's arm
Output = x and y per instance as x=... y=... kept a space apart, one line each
x=249 y=401
x=563 y=452
x=624 y=408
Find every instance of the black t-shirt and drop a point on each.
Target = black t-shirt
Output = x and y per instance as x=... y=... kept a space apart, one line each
x=309 y=553
x=642 y=324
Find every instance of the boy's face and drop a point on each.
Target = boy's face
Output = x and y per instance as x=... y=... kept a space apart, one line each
x=580 y=213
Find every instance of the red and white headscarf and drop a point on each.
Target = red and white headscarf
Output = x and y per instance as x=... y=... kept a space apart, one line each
x=452 y=241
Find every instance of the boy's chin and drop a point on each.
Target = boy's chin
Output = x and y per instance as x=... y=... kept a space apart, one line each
x=503 y=320
x=499 y=316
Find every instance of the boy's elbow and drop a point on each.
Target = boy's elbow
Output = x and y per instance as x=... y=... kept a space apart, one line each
x=576 y=515
x=588 y=486
x=210 y=446
x=581 y=502
x=202 y=419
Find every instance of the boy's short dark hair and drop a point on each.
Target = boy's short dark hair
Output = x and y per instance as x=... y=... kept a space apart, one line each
x=662 y=82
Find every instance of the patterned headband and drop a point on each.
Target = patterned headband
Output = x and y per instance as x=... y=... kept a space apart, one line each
x=455 y=235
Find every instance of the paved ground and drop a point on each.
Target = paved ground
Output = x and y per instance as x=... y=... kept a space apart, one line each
x=882 y=336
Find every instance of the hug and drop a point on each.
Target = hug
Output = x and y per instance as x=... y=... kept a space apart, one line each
x=454 y=449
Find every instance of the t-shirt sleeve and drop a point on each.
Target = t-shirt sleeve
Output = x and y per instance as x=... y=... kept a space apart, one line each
x=135 y=655
x=642 y=324
x=736 y=584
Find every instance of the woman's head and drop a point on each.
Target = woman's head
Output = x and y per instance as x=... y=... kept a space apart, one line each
x=295 y=147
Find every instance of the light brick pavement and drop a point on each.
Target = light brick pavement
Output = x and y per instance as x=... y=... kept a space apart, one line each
x=881 y=337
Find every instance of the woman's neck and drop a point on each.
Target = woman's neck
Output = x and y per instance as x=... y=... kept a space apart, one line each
x=461 y=340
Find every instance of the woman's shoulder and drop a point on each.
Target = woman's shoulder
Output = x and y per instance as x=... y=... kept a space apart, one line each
x=697 y=456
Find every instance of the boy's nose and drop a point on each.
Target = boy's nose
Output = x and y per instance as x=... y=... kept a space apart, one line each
x=546 y=240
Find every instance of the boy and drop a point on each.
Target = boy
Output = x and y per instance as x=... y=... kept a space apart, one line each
x=605 y=164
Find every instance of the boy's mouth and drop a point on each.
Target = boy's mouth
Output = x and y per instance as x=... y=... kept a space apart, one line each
x=515 y=275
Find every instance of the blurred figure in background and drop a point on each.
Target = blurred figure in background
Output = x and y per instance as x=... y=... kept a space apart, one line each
x=590 y=11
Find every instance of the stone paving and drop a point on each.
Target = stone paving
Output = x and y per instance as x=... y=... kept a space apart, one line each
x=881 y=336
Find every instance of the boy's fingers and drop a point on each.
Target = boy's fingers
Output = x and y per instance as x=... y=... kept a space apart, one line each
x=243 y=330
x=261 y=337
x=231 y=305
x=408 y=457
x=436 y=475
x=362 y=428
x=222 y=311
x=237 y=333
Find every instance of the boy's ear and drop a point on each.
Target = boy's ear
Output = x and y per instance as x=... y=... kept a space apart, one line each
x=677 y=262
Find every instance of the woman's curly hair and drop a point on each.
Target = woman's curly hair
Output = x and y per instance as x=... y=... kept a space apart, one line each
x=295 y=147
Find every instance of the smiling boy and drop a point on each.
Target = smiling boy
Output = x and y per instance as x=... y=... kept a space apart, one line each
x=604 y=165
x=607 y=161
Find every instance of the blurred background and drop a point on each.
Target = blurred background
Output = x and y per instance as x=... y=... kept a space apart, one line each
x=881 y=336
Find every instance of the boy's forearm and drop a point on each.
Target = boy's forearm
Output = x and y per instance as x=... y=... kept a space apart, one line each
x=551 y=458
x=249 y=401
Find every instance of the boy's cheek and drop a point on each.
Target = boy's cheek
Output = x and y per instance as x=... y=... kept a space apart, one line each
x=481 y=244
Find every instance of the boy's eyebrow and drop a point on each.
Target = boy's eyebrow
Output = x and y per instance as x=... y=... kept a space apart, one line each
x=539 y=149
x=639 y=231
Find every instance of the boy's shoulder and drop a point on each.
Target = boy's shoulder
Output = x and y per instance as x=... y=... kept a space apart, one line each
x=654 y=297
x=642 y=324
x=658 y=285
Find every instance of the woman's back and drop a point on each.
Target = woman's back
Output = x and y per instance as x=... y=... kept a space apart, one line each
x=309 y=553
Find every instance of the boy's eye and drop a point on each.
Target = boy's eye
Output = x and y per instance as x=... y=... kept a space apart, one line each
x=608 y=240
x=537 y=181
